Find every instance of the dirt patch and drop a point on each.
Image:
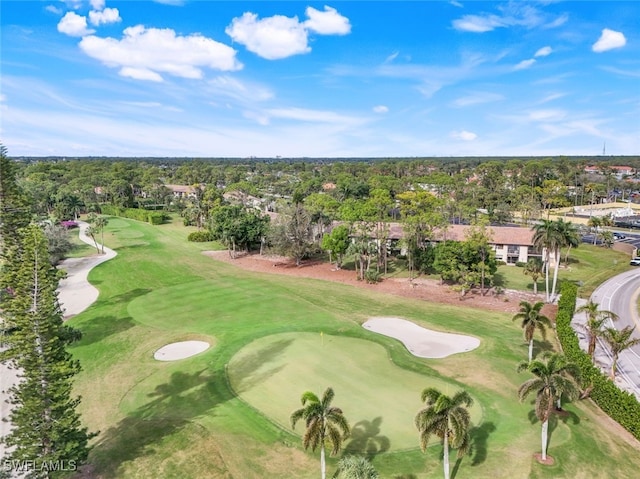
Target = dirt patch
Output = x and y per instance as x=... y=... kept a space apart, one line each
x=549 y=461
x=419 y=288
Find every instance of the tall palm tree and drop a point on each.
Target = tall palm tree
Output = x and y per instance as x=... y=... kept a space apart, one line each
x=554 y=377
x=534 y=268
x=91 y=233
x=448 y=418
x=356 y=467
x=532 y=319
x=99 y=224
x=547 y=239
x=570 y=236
x=324 y=423
x=596 y=318
x=619 y=340
x=566 y=235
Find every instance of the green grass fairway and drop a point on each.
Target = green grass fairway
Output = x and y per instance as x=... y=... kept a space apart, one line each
x=378 y=397
x=184 y=420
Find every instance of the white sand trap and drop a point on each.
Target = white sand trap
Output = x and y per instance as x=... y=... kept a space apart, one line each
x=420 y=341
x=181 y=350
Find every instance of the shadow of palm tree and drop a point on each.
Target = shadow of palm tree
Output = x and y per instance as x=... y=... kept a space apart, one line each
x=172 y=407
x=479 y=437
x=366 y=439
x=251 y=369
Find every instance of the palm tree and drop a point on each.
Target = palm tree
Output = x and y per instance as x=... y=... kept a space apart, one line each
x=356 y=467
x=619 y=340
x=99 y=224
x=546 y=238
x=532 y=319
x=91 y=233
x=570 y=235
x=534 y=268
x=554 y=376
x=323 y=422
x=596 y=318
x=448 y=418
x=595 y=222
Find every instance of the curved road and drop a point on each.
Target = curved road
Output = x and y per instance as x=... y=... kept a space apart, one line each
x=620 y=295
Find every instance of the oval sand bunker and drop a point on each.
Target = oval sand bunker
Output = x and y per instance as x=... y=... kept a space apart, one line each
x=420 y=341
x=181 y=350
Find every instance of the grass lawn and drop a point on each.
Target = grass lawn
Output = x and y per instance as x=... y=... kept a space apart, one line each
x=224 y=413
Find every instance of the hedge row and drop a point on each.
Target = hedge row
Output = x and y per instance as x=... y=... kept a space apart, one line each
x=153 y=217
x=621 y=406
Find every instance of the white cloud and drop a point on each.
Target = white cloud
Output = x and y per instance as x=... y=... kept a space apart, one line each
x=609 y=39
x=391 y=57
x=463 y=135
x=329 y=22
x=478 y=24
x=108 y=15
x=3 y=97
x=53 y=9
x=512 y=14
x=272 y=38
x=144 y=53
x=456 y=4
x=74 y=25
x=140 y=74
x=174 y=3
x=381 y=109
x=543 y=52
x=477 y=99
x=227 y=86
x=313 y=116
x=73 y=4
x=97 y=4
x=280 y=37
x=547 y=115
x=524 y=64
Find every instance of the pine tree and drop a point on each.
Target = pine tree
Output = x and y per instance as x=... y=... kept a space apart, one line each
x=14 y=208
x=46 y=425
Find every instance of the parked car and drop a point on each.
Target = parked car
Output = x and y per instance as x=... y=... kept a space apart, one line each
x=635 y=262
x=618 y=236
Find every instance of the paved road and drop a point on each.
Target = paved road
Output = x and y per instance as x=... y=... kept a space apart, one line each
x=620 y=295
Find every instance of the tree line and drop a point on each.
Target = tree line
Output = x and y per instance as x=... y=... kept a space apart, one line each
x=47 y=437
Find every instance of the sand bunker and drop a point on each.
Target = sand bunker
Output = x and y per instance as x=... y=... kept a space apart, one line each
x=181 y=350
x=422 y=342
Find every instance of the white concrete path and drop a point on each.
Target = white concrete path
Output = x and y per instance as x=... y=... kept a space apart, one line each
x=75 y=294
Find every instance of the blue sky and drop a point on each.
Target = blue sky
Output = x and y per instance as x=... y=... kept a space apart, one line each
x=319 y=79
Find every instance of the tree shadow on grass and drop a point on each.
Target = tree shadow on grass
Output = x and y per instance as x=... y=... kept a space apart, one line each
x=479 y=437
x=172 y=407
x=555 y=418
x=540 y=346
x=101 y=327
x=366 y=439
x=252 y=369
x=127 y=297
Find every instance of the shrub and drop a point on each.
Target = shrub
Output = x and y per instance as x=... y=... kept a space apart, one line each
x=69 y=224
x=520 y=264
x=200 y=237
x=372 y=277
x=619 y=405
x=153 y=217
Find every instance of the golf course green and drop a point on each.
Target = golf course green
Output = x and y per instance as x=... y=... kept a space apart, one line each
x=224 y=413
